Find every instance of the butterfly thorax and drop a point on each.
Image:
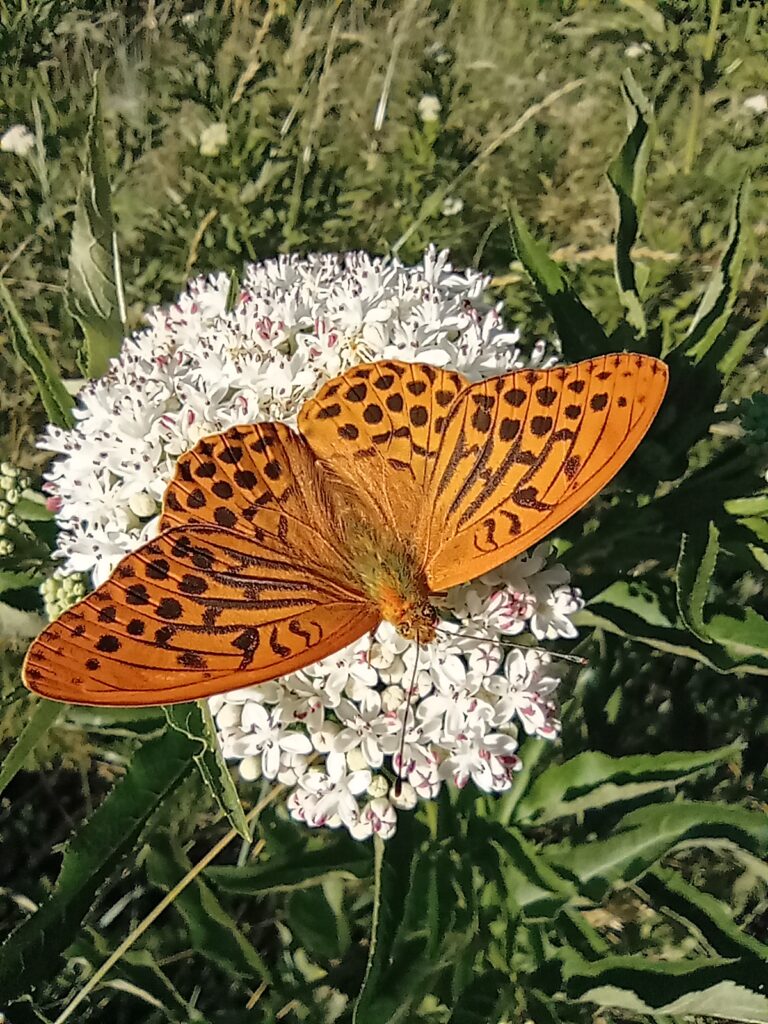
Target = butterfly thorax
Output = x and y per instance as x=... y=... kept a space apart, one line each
x=388 y=572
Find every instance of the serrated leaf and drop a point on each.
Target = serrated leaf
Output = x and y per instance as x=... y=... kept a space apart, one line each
x=580 y=935
x=579 y=331
x=645 y=835
x=707 y=988
x=529 y=879
x=38 y=722
x=18 y=579
x=56 y=399
x=627 y=174
x=194 y=720
x=717 y=303
x=211 y=930
x=695 y=566
x=343 y=858
x=94 y=289
x=614 y=619
x=593 y=780
x=744 y=633
x=31 y=953
x=710 y=917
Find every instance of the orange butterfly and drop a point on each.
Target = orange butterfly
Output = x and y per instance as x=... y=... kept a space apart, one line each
x=279 y=548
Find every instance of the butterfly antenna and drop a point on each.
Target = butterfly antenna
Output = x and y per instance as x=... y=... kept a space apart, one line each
x=398 y=780
x=575 y=659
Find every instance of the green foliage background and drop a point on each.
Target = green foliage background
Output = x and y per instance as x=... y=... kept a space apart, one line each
x=626 y=870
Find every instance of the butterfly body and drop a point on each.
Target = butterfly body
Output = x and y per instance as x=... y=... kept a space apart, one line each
x=388 y=571
x=279 y=548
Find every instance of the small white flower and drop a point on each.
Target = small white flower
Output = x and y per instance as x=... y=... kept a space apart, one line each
x=265 y=734
x=142 y=504
x=756 y=104
x=362 y=726
x=17 y=139
x=381 y=816
x=429 y=108
x=403 y=796
x=452 y=205
x=635 y=50
x=213 y=139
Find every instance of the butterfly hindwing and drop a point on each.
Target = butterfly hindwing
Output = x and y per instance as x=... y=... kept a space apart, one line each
x=523 y=452
x=197 y=611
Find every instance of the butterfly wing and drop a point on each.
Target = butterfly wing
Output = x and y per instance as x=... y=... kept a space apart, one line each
x=379 y=428
x=246 y=583
x=521 y=453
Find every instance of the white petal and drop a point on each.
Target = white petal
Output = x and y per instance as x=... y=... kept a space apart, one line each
x=296 y=743
x=270 y=761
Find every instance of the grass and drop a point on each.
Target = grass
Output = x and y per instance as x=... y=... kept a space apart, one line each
x=326 y=149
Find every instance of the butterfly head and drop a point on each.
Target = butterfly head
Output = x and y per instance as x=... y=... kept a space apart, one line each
x=418 y=622
x=412 y=615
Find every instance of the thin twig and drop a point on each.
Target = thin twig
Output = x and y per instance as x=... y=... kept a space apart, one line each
x=164 y=903
x=197 y=238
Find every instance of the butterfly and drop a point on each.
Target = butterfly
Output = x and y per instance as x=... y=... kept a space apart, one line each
x=280 y=547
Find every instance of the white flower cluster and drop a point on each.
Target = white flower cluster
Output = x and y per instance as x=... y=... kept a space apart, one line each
x=333 y=730
x=346 y=735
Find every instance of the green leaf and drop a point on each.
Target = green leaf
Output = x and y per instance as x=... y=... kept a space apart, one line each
x=695 y=566
x=645 y=835
x=744 y=633
x=194 y=721
x=579 y=331
x=94 y=288
x=211 y=930
x=38 y=722
x=17 y=580
x=33 y=511
x=394 y=862
x=710 y=917
x=627 y=175
x=315 y=926
x=31 y=953
x=580 y=935
x=56 y=399
x=529 y=879
x=716 y=306
x=721 y=988
x=343 y=858
x=592 y=780
x=613 y=619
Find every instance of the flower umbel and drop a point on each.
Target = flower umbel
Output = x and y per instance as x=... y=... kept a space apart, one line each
x=333 y=731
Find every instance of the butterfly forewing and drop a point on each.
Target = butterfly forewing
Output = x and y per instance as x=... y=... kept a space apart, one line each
x=379 y=426
x=197 y=611
x=247 y=582
x=523 y=452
